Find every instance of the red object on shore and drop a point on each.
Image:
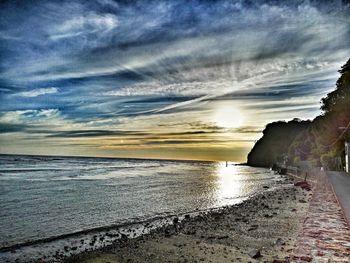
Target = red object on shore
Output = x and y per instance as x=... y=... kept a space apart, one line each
x=304 y=185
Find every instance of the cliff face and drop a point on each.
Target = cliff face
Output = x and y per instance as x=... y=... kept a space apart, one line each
x=320 y=142
x=277 y=137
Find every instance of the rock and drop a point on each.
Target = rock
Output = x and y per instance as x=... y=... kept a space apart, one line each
x=217 y=237
x=253 y=227
x=167 y=233
x=304 y=258
x=268 y=216
x=279 y=242
x=176 y=220
x=303 y=185
x=320 y=253
x=111 y=235
x=190 y=232
x=254 y=253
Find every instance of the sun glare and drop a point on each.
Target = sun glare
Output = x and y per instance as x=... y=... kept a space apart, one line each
x=229 y=183
x=228 y=117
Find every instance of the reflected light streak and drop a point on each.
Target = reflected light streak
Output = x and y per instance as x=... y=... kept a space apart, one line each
x=229 y=183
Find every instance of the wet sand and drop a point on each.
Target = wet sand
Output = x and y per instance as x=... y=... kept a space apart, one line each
x=261 y=229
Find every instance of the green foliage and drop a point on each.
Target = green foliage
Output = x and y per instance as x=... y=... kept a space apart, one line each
x=328 y=160
x=319 y=142
x=339 y=99
x=277 y=137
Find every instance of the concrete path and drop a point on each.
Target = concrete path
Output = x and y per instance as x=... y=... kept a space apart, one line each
x=341 y=186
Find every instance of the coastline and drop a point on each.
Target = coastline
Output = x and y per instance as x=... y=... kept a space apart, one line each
x=266 y=224
x=57 y=247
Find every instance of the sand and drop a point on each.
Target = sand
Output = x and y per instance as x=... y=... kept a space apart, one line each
x=267 y=224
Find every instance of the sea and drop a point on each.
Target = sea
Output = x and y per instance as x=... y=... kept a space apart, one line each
x=47 y=201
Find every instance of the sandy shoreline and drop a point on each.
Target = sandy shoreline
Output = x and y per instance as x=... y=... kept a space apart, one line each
x=269 y=223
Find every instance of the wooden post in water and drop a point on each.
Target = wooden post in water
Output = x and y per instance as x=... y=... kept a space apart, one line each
x=347 y=157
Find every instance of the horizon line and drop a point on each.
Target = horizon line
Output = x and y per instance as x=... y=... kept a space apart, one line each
x=113 y=157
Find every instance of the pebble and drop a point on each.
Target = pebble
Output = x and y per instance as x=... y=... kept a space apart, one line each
x=254 y=253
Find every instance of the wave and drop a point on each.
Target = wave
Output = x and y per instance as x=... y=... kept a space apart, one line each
x=166 y=217
x=129 y=223
x=31 y=170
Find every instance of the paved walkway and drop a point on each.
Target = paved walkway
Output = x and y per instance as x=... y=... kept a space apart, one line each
x=341 y=186
x=325 y=235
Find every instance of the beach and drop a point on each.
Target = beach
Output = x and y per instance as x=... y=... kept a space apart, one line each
x=263 y=228
x=175 y=131
x=56 y=207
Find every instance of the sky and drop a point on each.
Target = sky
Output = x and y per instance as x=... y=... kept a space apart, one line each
x=162 y=79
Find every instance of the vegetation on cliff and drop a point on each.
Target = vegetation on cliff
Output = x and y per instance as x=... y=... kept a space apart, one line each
x=319 y=142
x=274 y=144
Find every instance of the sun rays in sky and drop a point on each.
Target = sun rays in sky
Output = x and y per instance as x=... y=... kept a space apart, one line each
x=162 y=79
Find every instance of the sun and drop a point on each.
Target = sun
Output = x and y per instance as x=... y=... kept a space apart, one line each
x=228 y=116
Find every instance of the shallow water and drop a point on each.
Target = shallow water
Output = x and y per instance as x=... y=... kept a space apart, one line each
x=43 y=197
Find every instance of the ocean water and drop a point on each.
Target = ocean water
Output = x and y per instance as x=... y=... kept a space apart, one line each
x=43 y=197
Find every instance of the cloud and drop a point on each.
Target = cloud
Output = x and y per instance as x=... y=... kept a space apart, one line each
x=38 y=92
x=92 y=133
x=45 y=117
x=139 y=135
x=9 y=127
x=30 y=121
x=90 y=23
x=154 y=67
x=248 y=129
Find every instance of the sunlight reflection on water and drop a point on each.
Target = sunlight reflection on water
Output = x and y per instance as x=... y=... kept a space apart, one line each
x=229 y=182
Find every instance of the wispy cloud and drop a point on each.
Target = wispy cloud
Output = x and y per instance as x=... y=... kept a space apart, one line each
x=38 y=92
x=88 y=70
x=90 y=23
